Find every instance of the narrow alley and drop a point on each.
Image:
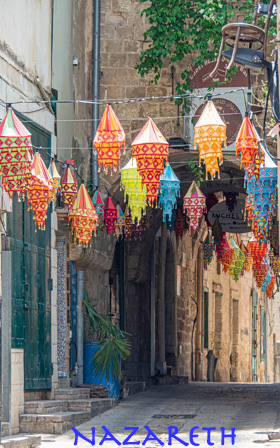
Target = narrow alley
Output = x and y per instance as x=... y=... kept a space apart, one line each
x=252 y=409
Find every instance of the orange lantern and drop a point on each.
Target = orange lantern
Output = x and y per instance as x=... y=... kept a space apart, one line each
x=83 y=217
x=194 y=204
x=258 y=250
x=39 y=190
x=210 y=136
x=228 y=254
x=259 y=270
x=15 y=159
x=150 y=149
x=69 y=186
x=109 y=139
x=270 y=288
x=247 y=144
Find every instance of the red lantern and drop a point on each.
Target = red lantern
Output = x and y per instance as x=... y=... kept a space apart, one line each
x=259 y=270
x=195 y=204
x=39 y=190
x=83 y=217
x=228 y=254
x=15 y=160
x=258 y=250
x=110 y=215
x=150 y=150
x=69 y=187
x=109 y=139
x=247 y=144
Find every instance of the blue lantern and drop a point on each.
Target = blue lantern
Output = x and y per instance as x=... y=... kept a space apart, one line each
x=169 y=190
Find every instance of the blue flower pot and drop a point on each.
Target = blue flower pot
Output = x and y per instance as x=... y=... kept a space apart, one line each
x=90 y=348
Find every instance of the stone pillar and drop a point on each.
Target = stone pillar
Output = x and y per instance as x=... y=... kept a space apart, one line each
x=6 y=331
x=161 y=365
x=17 y=387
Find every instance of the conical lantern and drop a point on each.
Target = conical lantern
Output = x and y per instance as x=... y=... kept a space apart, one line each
x=99 y=207
x=248 y=259
x=228 y=254
x=270 y=288
x=15 y=159
x=132 y=185
x=120 y=223
x=195 y=204
x=69 y=187
x=238 y=260
x=221 y=243
x=83 y=217
x=110 y=215
x=274 y=262
x=56 y=180
x=129 y=225
x=169 y=190
x=258 y=250
x=150 y=150
x=266 y=280
x=259 y=270
x=39 y=191
x=108 y=140
x=180 y=223
x=247 y=144
x=208 y=249
x=210 y=136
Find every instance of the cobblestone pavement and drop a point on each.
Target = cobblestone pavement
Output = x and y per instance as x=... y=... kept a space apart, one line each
x=254 y=410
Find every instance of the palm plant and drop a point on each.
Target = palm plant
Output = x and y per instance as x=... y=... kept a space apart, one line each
x=113 y=344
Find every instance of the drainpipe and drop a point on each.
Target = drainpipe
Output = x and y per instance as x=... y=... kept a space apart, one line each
x=95 y=88
x=80 y=328
x=198 y=353
x=153 y=304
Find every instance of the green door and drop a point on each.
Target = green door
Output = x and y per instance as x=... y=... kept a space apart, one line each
x=254 y=335
x=31 y=284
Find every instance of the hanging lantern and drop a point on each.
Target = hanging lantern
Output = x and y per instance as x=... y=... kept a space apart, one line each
x=169 y=190
x=248 y=258
x=230 y=200
x=56 y=180
x=150 y=150
x=247 y=144
x=109 y=139
x=129 y=225
x=217 y=231
x=270 y=288
x=274 y=236
x=99 y=207
x=69 y=187
x=40 y=190
x=238 y=260
x=209 y=136
x=266 y=280
x=132 y=185
x=258 y=250
x=211 y=200
x=120 y=223
x=83 y=217
x=180 y=224
x=195 y=204
x=220 y=245
x=110 y=215
x=208 y=249
x=227 y=256
x=15 y=159
x=274 y=262
x=259 y=270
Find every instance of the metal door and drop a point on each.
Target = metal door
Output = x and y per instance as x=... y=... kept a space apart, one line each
x=31 y=285
x=254 y=335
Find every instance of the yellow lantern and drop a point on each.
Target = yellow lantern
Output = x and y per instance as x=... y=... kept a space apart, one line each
x=132 y=185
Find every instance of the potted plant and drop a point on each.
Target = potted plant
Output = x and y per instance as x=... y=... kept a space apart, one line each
x=103 y=358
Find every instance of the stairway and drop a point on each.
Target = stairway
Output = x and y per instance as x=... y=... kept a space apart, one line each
x=69 y=408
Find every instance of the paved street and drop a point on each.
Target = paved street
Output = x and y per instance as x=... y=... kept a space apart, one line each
x=254 y=410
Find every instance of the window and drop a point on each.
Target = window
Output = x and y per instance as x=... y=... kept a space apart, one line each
x=263 y=334
x=205 y=317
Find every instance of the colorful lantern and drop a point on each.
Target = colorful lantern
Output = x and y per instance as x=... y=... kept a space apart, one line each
x=83 y=217
x=109 y=139
x=110 y=215
x=169 y=190
x=120 y=223
x=220 y=245
x=150 y=150
x=180 y=224
x=266 y=279
x=69 y=187
x=227 y=256
x=258 y=250
x=274 y=262
x=210 y=136
x=195 y=204
x=132 y=185
x=248 y=259
x=208 y=249
x=15 y=160
x=56 y=180
x=274 y=236
x=99 y=207
x=238 y=260
x=247 y=144
x=259 y=270
x=270 y=288
x=39 y=191
x=129 y=225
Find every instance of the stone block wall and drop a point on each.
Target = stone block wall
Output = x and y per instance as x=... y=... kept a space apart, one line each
x=17 y=388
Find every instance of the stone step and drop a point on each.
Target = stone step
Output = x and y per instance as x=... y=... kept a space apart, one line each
x=72 y=394
x=45 y=406
x=21 y=442
x=93 y=405
x=57 y=423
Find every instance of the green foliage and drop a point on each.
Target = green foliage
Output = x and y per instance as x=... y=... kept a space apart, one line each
x=180 y=28
x=113 y=342
x=197 y=172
